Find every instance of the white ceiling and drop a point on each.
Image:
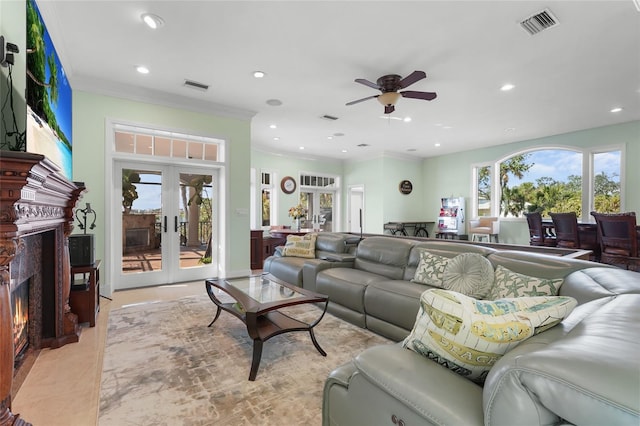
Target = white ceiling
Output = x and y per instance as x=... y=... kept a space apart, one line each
x=567 y=77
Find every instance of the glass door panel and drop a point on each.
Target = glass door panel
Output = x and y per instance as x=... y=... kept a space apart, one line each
x=166 y=215
x=195 y=218
x=319 y=206
x=141 y=215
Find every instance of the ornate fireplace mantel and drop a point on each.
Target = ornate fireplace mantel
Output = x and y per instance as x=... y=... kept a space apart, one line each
x=34 y=198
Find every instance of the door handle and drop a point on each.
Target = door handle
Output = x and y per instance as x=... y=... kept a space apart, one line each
x=165 y=224
x=175 y=223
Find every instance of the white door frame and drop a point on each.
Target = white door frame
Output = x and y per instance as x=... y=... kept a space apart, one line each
x=353 y=219
x=171 y=271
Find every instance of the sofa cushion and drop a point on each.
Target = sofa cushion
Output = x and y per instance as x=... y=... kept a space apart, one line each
x=385 y=256
x=468 y=335
x=470 y=274
x=331 y=242
x=512 y=284
x=300 y=246
x=430 y=269
x=404 y=296
x=345 y=286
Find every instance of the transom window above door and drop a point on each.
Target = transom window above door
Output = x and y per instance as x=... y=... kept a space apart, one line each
x=158 y=143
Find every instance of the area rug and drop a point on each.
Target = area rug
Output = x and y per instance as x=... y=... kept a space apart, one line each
x=164 y=366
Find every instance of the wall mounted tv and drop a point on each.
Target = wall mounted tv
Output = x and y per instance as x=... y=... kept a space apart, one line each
x=49 y=130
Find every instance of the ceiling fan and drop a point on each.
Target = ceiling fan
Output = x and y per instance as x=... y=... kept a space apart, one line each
x=389 y=86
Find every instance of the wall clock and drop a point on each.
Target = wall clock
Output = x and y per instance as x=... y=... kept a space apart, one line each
x=288 y=184
x=405 y=187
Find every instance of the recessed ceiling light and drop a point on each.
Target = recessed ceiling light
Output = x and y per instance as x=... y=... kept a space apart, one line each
x=152 y=21
x=616 y=109
x=407 y=119
x=507 y=87
x=142 y=69
x=274 y=102
x=273 y=126
x=436 y=145
x=302 y=147
x=329 y=137
x=258 y=74
x=276 y=138
x=344 y=150
x=447 y=127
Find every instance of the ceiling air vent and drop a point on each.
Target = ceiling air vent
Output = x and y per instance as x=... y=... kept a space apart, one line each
x=329 y=117
x=363 y=145
x=538 y=22
x=196 y=85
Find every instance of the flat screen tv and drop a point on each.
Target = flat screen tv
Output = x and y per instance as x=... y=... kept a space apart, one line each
x=48 y=95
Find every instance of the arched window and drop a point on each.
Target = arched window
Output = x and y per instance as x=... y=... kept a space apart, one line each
x=550 y=180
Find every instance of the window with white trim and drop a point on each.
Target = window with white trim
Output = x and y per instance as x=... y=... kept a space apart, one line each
x=159 y=143
x=550 y=180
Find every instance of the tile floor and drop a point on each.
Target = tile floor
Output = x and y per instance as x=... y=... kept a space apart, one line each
x=63 y=387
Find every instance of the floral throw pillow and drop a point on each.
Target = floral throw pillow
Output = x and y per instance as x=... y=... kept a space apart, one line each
x=430 y=269
x=512 y=284
x=300 y=246
x=468 y=336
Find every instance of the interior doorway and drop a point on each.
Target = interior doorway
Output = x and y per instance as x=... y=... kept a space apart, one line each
x=356 y=209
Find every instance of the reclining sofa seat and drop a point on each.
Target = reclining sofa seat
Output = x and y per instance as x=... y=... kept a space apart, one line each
x=583 y=371
x=377 y=292
x=330 y=246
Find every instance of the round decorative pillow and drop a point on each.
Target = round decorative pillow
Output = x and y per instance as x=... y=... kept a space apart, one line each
x=470 y=274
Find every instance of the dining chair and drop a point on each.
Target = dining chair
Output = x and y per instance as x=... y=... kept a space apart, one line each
x=537 y=234
x=488 y=226
x=566 y=229
x=618 y=239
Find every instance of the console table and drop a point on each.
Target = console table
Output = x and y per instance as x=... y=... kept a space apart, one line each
x=85 y=292
x=400 y=228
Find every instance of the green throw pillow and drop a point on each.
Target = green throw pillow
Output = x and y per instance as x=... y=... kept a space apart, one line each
x=512 y=284
x=470 y=274
x=468 y=336
x=300 y=246
x=430 y=268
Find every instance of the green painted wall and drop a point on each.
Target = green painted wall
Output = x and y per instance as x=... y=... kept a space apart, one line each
x=283 y=166
x=90 y=113
x=452 y=173
x=13 y=16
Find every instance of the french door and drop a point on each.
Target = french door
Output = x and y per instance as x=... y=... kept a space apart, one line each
x=165 y=224
x=320 y=206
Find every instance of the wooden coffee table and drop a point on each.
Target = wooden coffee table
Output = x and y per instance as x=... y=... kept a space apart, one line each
x=258 y=299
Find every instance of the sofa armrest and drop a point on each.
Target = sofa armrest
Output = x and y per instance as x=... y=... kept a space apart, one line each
x=389 y=380
x=312 y=267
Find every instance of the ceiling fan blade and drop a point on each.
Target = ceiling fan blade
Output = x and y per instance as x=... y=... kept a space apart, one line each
x=427 y=96
x=367 y=83
x=412 y=78
x=362 y=100
x=388 y=109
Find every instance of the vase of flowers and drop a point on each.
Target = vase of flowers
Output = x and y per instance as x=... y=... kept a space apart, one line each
x=297 y=212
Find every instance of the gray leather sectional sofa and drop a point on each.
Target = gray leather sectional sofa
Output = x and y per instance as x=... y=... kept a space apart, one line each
x=586 y=370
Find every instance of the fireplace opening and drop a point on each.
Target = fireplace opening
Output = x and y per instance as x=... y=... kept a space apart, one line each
x=137 y=238
x=20 y=311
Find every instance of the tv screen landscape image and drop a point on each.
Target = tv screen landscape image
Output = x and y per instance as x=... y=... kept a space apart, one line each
x=49 y=130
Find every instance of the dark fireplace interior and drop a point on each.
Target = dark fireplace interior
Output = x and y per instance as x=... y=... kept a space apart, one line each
x=138 y=237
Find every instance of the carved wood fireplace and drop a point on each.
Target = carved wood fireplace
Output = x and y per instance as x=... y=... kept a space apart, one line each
x=36 y=218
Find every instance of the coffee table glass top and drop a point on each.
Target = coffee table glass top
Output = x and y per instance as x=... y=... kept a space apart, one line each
x=264 y=290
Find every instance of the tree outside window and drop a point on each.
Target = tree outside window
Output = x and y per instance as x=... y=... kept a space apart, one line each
x=551 y=180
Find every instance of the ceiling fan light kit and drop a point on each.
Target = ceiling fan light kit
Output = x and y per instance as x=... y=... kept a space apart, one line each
x=390 y=85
